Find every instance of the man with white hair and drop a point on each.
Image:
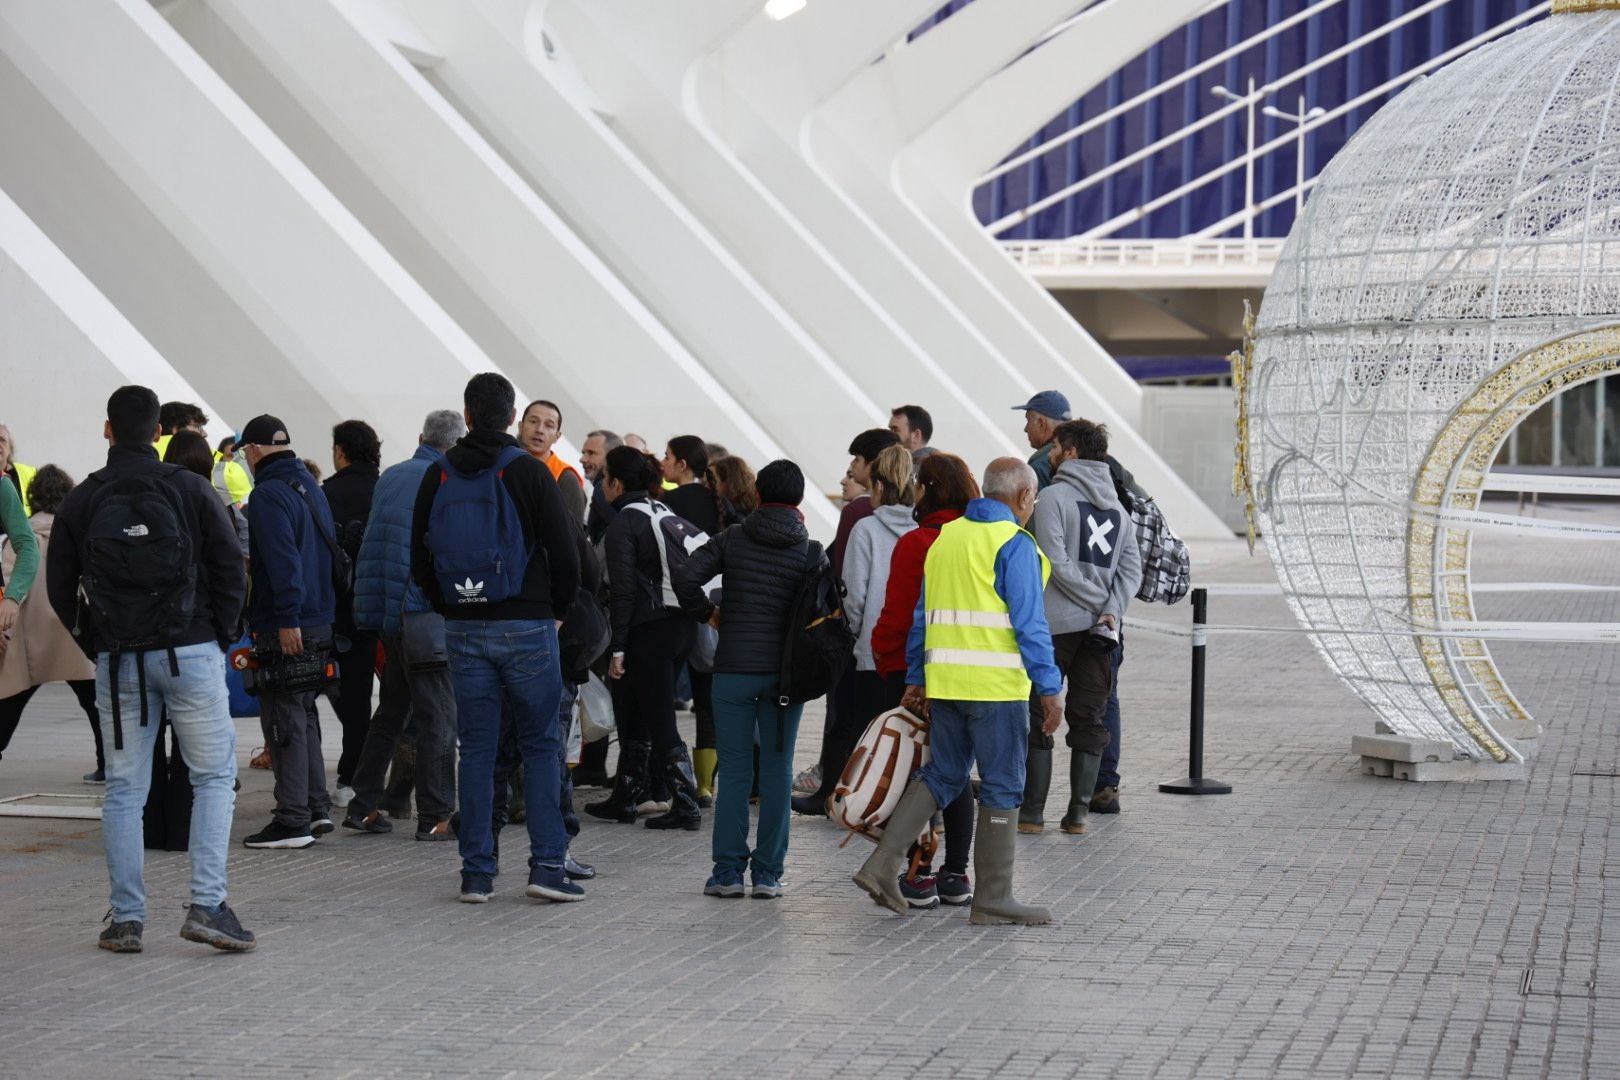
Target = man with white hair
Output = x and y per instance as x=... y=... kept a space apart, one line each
x=978 y=643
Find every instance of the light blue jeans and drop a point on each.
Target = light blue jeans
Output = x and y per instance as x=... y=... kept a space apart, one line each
x=199 y=709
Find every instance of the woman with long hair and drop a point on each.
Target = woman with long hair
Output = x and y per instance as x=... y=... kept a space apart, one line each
x=734 y=481
x=189 y=449
x=650 y=643
x=944 y=487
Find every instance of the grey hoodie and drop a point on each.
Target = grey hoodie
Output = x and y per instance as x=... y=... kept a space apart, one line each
x=866 y=573
x=1091 y=540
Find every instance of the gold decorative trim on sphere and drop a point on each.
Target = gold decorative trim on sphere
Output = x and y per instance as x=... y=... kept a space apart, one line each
x=1578 y=7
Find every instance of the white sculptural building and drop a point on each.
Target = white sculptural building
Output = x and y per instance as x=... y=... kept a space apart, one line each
x=748 y=220
x=1457 y=266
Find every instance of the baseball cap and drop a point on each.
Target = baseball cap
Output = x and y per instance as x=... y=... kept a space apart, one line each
x=265 y=430
x=1049 y=403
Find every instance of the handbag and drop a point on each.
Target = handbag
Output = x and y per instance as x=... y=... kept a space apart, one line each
x=421 y=641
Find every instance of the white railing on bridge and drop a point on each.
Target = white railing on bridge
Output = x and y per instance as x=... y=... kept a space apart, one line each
x=1217 y=259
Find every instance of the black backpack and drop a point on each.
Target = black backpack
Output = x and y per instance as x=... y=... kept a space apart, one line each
x=585 y=635
x=817 y=643
x=140 y=578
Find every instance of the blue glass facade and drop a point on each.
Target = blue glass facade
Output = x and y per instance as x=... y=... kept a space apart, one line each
x=1336 y=83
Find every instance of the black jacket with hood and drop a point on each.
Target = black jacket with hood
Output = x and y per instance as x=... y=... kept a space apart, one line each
x=635 y=572
x=764 y=560
x=551 y=581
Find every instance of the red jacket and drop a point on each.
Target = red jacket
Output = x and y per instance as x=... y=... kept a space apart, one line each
x=905 y=586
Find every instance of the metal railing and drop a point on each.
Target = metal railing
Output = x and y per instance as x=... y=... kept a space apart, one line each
x=1189 y=253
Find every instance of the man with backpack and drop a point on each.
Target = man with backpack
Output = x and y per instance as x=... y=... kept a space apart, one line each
x=298 y=571
x=493 y=550
x=150 y=550
x=1090 y=539
x=978 y=642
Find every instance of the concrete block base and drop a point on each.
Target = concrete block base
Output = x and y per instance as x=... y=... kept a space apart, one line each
x=1402 y=757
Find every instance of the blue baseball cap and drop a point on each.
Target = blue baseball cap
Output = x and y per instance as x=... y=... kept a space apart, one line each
x=1049 y=403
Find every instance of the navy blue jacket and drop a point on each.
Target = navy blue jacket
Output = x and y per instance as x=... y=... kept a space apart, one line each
x=292 y=566
x=383 y=587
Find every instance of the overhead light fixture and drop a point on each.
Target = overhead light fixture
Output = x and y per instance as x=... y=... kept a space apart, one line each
x=781 y=9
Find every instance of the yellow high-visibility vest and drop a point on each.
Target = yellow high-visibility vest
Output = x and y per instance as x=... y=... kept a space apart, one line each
x=25 y=477
x=970 y=652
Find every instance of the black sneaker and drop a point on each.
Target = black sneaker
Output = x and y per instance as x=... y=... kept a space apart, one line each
x=97 y=777
x=954 y=888
x=578 y=871
x=217 y=928
x=320 y=825
x=374 y=822
x=434 y=830
x=121 y=936
x=277 y=835
x=921 y=892
x=476 y=888
x=553 y=883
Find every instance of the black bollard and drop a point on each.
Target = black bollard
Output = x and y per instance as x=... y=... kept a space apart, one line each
x=1196 y=782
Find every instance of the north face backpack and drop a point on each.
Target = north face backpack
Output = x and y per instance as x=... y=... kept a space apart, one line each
x=677 y=540
x=817 y=642
x=139 y=577
x=1166 y=563
x=894 y=746
x=475 y=535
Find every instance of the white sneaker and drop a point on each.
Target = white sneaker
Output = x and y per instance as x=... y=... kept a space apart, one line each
x=343 y=796
x=808 y=782
x=652 y=806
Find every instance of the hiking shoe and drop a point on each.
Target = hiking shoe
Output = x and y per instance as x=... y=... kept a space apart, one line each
x=727 y=884
x=553 y=883
x=121 y=936
x=277 y=835
x=576 y=870
x=374 y=822
x=1105 y=801
x=434 y=830
x=921 y=892
x=808 y=782
x=97 y=777
x=954 y=888
x=217 y=928
x=766 y=885
x=320 y=825
x=260 y=758
x=476 y=888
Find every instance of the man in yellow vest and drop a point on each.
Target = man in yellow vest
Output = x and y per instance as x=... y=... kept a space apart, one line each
x=979 y=642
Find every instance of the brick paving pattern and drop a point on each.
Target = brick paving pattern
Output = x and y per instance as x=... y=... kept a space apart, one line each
x=1316 y=923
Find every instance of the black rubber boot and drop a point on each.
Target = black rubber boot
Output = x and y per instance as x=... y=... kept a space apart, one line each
x=1037 y=782
x=683 y=805
x=629 y=787
x=592 y=768
x=1083 y=769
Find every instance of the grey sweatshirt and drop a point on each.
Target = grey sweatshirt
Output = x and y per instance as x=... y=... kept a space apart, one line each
x=866 y=574
x=1091 y=540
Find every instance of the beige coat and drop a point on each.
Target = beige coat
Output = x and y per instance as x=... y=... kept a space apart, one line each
x=42 y=650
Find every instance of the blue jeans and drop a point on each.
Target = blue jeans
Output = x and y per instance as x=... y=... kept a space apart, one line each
x=199 y=709
x=995 y=734
x=745 y=708
x=1108 y=776
x=516 y=660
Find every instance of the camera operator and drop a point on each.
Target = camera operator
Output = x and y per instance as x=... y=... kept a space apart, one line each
x=290 y=610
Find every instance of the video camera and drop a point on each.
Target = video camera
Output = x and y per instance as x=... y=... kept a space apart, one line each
x=271 y=671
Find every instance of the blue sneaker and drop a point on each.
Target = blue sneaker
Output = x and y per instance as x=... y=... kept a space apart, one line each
x=725 y=883
x=553 y=883
x=766 y=885
x=476 y=888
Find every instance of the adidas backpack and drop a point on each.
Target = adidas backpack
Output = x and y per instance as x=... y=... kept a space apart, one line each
x=475 y=535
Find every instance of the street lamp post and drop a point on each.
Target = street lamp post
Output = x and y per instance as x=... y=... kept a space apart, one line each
x=1250 y=99
x=1300 y=119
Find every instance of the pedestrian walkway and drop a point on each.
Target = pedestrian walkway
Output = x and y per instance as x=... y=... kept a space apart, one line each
x=1317 y=922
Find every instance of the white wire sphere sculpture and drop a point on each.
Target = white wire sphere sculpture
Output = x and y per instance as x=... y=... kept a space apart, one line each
x=1458 y=263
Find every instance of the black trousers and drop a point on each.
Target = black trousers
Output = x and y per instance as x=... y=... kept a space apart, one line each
x=357 y=670
x=11 y=710
x=644 y=699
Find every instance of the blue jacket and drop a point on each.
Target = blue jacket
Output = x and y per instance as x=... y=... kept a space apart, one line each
x=383 y=587
x=292 y=566
x=1018 y=582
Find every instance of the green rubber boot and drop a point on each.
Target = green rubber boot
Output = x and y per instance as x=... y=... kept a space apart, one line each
x=995 y=846
x=880 y=874
x=1037 y=781
x=1083 y=769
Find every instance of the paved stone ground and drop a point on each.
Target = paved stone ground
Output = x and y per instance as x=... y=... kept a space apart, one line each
x=1315 y=923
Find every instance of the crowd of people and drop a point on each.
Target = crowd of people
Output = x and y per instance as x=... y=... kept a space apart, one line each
x=455 y=605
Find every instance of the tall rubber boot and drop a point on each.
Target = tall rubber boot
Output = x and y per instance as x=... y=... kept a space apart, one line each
x=1037 y=781
x=1083 y=770
x=704 y=764
x=683 y=792
x=880 y=874
x=629 y=787
x=995 y=847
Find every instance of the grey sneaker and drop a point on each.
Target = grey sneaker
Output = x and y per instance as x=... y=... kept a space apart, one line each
x=217 y=928
x=120 y=936
x=808 y=782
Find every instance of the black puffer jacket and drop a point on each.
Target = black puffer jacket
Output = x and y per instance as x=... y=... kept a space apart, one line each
x=635 y=572
x=764 y=559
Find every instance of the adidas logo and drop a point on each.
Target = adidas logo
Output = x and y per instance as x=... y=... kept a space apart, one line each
x=471 y=593
x=136 y=530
